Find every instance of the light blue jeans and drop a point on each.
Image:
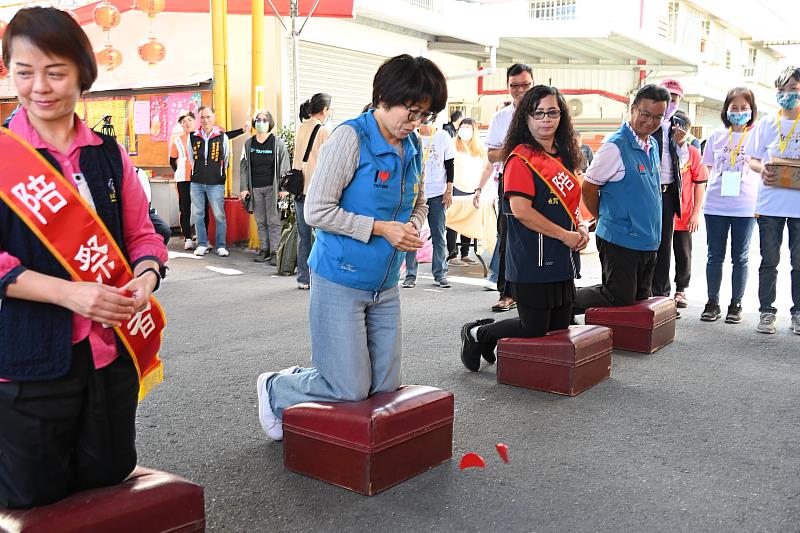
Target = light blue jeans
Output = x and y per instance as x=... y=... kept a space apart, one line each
x=356 y=347
x=216 y=197
x=436 y=222
x=494 y=264
x=303 y=241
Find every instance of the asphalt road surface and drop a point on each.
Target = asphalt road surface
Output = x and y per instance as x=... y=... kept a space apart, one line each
x=701 y=436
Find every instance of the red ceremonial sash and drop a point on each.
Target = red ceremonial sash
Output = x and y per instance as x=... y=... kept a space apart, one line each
x=53 y=209
x=561 y=181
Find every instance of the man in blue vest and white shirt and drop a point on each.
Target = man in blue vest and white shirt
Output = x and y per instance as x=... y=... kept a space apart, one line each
x=622 y=190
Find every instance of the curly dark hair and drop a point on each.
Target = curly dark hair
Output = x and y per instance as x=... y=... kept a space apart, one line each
x=520 y=133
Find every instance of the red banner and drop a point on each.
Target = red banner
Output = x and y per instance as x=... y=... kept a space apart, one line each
x=54 y=210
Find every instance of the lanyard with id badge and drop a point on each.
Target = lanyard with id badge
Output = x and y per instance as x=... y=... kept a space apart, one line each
x=732 y=179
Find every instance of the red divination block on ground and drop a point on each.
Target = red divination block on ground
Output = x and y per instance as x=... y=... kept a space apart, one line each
x=645 y=326
x=371 y=445
x=148 y=500
x=566 y=361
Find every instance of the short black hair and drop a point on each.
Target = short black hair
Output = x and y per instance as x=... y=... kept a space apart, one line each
x=784 y=78
x=270 y=119
x=518 y=68
x=200 y=109
x=732 y=95
x=653 y=92
x=406 y=80
x=455 y=115
x=683 y=117
x=55 y=33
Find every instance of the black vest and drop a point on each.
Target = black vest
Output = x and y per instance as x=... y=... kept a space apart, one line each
x=36 y=338
x=676 y=164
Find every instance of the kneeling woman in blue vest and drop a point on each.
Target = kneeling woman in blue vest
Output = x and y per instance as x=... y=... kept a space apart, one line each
x=544 y=230
x=367 y=202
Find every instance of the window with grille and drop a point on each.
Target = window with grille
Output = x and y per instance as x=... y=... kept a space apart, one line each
x=672 y=22
x=552 y=9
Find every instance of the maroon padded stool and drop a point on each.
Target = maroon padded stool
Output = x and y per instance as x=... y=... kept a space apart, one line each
x=148 y=501
x=566 y=361
x=371 y=445
x=645 y=326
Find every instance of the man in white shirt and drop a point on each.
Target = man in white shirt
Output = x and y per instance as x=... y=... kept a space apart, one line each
x=519 y=78
x=674 y=152
x=438 y=154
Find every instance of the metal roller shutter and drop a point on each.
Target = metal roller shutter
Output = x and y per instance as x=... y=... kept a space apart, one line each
x=344 y=74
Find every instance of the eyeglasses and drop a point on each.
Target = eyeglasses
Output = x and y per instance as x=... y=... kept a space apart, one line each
x=649 y=116
x=539 y=115
x=515 y=86
x=416 y=114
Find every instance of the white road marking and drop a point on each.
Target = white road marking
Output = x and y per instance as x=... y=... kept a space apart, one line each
x=478 y=282
x=174 y=255
x=226 y=271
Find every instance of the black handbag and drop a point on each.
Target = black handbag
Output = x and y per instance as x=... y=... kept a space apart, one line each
x=247 y=203
x=293 y=181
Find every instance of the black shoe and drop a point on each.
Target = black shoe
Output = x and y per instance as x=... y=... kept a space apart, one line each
x=273 y=259
x=470 y=349
x=711 y=312
x=262 y=256
x=734 y=315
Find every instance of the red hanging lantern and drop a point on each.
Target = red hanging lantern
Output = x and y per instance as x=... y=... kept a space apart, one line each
x=152 y=51
x=151 y=7
x=106 y=16
x=109 y=57
x=3 y=25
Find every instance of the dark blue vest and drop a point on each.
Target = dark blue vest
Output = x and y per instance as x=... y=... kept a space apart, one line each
x=36 y=338
x=532 y=257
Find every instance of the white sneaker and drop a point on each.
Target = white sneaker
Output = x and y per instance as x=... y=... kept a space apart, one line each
x=223 y=252
x=796 y=323
x=766 y=323
x=490 y=286
x=270 y=423
x=201 y=250
x=188 y=244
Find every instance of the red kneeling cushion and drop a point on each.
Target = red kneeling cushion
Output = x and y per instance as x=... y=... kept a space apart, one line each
x=371 y=445
x=148 y=501
x=645 y=326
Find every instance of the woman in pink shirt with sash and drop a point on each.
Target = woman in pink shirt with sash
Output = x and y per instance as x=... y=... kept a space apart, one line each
x=69 y=387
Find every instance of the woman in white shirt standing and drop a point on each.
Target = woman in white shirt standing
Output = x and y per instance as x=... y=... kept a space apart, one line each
x=181 y=159
x=314 y=112
x=730 y=202
x=777 y=137
x=470 y=165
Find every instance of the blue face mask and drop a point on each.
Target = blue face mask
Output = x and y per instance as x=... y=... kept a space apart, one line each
x=739 y=118
x=788 y=101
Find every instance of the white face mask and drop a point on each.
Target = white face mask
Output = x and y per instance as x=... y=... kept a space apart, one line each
x=465 y=134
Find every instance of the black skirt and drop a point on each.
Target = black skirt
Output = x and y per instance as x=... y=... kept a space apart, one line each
x=544 y=295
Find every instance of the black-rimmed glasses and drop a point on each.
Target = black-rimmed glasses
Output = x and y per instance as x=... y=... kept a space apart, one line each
x=539 y=115
x=416 y=114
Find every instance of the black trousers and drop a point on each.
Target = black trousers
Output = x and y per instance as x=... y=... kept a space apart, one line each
x=533 y=321
x=503 y=286
x=161 y=227
x=627 y=277
x=68 y=434
x=682 y=247
x=453 y=249
x=185 y=208
x=661 y=284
